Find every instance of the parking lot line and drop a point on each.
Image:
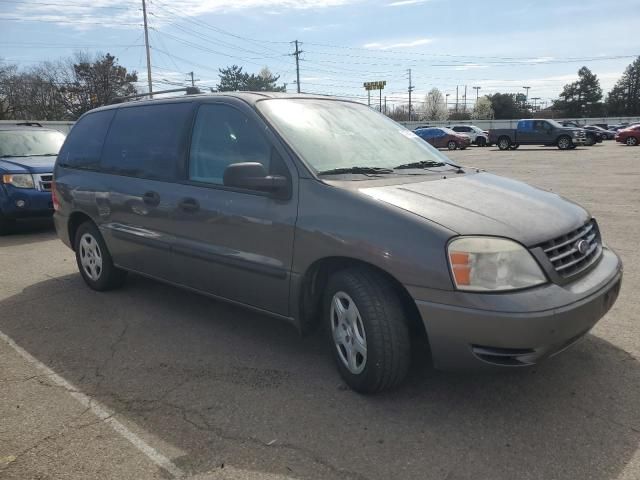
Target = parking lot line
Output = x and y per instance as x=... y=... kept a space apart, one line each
x=102 y=412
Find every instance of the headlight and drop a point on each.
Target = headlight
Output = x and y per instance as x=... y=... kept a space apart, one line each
x=19 y=180
x=492 y=264
x=575 y=134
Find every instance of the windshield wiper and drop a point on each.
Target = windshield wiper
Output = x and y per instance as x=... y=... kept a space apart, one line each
x=34 y=155
x=356 y=170
x=429 y=164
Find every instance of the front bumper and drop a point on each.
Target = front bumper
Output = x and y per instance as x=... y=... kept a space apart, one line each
x=519 y=328
x=36 y=203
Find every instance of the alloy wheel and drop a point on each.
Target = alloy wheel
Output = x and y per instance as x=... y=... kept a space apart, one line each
x=90 y=256
x=348 y=333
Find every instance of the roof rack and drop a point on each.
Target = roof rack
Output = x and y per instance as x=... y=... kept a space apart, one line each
x=29 y=124
x=187 y=90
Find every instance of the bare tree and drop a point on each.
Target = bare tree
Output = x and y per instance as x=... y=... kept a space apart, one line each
x=435 y=107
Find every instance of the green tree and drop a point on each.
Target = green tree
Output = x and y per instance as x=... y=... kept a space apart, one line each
x=624 y=97
x=505 y=106
x=582 y=97
x=233 y=79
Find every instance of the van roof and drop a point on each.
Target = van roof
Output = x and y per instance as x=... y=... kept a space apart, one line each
x=249 y=97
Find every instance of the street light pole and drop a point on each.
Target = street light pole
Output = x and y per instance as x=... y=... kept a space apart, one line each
x=526 y=98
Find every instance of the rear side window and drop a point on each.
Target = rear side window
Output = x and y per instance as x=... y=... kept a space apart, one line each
x=525 y=125
x=148 y=141
x=84 y=143
x=221 y=136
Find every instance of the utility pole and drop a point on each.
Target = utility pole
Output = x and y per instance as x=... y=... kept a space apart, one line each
x=410 y=90
x=385 y=104
x=146 y=44
x=368 y=98
x=193 y=80
x=465 y=99
x=297 y=55
x=456 y=98
x=477 y=89
x=535 y=99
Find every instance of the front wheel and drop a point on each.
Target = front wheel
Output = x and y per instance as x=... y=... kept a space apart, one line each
x=632 y=141
x=452 y=145
x=369 y=336
x=590 y=141
x=94 y=260
x=564 y=142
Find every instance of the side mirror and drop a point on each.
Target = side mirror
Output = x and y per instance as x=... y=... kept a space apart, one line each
x=253 y=175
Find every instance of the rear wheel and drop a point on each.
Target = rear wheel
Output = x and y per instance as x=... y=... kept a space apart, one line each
x=564 y=142
x=504 y=143
x=452 y=145
x=369 y=336
x=632 y=141
x=94 y=260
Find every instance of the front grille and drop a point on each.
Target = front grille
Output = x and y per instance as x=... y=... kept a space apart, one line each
x=581 y=134
x=568 y=254
x=43 y=181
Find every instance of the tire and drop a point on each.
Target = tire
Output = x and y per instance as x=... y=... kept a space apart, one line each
x=463 y=147
x=504 y=143
x=373 y=316
x=451 y=145
x=564 y=142
x=514 y=146
x=94 y=260
x=632 y=141
x=590 y=141
x=481 y=142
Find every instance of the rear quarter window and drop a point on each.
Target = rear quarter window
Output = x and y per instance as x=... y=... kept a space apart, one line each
x=148 y=141
x=84 y=143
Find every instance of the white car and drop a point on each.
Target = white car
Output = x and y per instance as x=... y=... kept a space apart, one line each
x=478 y=136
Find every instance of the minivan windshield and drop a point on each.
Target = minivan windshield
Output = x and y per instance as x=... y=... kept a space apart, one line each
x=332 y=134
x=29 y=143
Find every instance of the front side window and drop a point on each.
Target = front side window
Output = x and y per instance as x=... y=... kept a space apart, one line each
x=223 y=135
x=330 y=134
x=147 y=141
x=30 y=143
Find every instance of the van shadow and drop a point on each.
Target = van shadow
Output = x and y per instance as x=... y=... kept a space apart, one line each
x=227 y=386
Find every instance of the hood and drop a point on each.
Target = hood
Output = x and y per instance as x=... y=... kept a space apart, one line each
x=486 y=204
x=27 y=164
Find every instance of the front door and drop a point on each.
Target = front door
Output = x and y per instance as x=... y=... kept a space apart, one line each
x=234 y=243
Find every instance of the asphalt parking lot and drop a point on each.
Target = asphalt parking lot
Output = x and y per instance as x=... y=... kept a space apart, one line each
x=154 y=382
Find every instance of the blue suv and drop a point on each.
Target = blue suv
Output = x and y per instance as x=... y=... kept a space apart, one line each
x=27 y=155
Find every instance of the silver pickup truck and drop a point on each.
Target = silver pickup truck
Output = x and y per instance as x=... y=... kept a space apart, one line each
x=537 y=132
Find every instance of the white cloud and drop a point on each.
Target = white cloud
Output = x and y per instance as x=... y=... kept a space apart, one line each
x=121 y=13
x=470 y=66
x=407 y=44
x=402 y=3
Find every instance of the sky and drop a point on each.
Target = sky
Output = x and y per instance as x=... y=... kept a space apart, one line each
x=499 y=46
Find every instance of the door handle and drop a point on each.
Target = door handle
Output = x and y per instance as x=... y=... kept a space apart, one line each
x=151 y=198
x=189 y=205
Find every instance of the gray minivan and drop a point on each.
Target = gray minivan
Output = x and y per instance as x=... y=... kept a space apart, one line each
x=324 y=212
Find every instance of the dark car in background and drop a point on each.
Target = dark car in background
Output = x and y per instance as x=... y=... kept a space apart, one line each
x=442 y=137
x=605 y=134
x=629 y=136
x=27 y=155
x=537 y=132
x=592 y=136
x=325 y=212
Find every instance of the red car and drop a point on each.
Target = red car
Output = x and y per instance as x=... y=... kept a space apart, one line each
x=444 y=138
x=629 y=135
